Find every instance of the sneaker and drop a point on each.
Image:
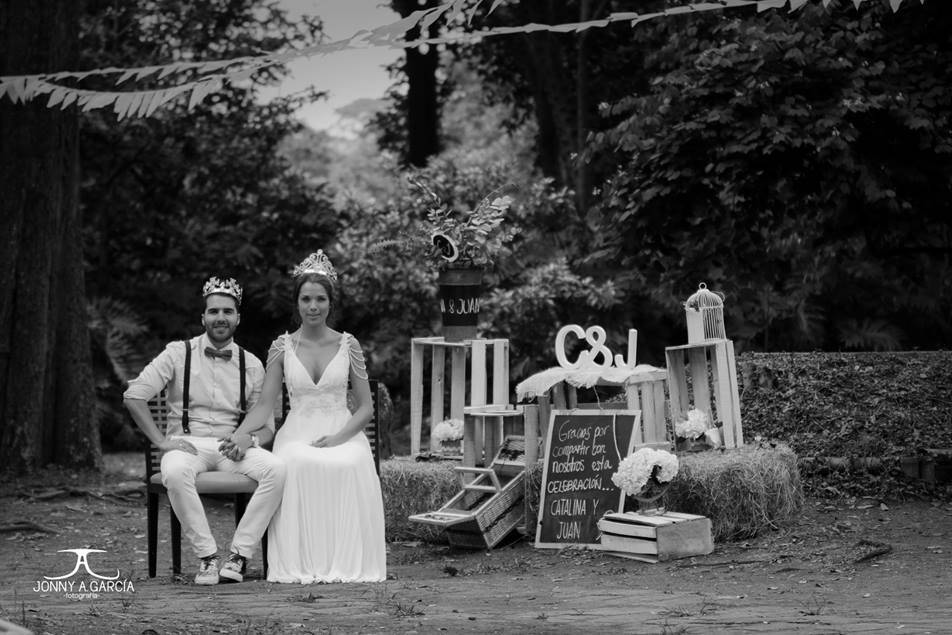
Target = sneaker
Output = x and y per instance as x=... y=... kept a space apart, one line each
x=234 y=568
x=208 y=570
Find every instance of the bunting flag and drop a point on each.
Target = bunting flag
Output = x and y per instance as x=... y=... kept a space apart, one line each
x=200 y=79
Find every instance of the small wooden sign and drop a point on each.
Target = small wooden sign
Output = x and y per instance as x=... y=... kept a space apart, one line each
x=584 y=448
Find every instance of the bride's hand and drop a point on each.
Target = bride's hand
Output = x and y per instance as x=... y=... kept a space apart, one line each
x=326 y=441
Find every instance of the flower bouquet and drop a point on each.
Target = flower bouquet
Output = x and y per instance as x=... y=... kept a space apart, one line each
x=692 y=433
x=645 y=476
x=449 y=434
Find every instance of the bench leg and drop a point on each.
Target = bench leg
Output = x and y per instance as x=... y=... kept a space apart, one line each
x=152 y=529
x=176 y=542
x=264 y=555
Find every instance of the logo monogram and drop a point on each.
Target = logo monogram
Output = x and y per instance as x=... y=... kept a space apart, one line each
x=82 y=561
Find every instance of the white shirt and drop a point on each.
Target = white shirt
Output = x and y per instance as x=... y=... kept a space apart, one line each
x=214 y=403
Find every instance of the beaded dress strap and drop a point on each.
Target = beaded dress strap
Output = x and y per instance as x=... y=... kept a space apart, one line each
x=357 y=362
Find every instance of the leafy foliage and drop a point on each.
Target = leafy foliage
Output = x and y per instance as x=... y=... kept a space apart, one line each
x=800 y=163
x=449 y=237
x=849 y=405
x=120 y=349
x=182 y=195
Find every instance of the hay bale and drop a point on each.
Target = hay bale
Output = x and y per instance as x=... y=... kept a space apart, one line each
x=533 y=493
x=744 y=491
x=410 y=487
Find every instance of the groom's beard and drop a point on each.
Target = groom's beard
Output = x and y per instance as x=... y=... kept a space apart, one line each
x=220 y=333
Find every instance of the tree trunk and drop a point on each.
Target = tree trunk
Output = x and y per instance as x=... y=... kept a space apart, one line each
x=423 y=110
x=46 y=400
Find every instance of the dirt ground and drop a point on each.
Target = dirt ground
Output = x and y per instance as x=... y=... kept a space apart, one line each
x=845 y=566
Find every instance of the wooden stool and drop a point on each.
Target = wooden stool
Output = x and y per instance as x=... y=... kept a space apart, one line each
x=713 y=389
x=480 y=375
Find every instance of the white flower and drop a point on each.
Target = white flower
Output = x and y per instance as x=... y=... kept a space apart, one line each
x=635 y=469
x=448 y=430
x=695 y=425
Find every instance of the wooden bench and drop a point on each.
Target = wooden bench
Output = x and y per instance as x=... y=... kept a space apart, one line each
x=219 y=483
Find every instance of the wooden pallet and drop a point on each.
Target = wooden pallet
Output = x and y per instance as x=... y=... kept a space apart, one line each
x=655 y=538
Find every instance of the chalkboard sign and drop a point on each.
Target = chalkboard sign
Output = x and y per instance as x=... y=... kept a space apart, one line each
x=584 y=448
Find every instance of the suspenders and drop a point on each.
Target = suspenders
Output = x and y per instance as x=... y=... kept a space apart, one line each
x=185 y=380
x=188 y=374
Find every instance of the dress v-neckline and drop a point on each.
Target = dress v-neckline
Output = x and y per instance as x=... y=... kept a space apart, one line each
x=324 y=371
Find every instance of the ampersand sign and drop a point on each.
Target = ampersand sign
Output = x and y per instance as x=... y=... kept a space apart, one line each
x=595 y=337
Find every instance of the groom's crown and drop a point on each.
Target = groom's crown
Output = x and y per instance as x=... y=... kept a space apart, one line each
x=227 y=286
x=318 y=262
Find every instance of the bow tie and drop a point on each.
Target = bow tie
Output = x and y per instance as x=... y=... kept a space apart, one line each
x=214 y=352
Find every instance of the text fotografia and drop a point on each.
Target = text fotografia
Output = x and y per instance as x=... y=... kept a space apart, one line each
x=81 y=589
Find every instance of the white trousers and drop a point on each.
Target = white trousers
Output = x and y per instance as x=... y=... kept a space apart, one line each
x=179 y=469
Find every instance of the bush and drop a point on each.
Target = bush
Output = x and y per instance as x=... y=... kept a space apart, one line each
x=849 y=406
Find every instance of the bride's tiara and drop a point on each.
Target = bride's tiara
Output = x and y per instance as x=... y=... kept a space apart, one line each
x=318 y=262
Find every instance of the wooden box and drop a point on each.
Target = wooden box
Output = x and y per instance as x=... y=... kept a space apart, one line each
x=704 y=376
x=655 y=538
x=488 y=364
x=490 y=506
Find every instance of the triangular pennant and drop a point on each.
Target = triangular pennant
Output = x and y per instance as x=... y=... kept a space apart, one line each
x=121 y=105
x=397 y=29
x=157 y=100
x=92 y=102
x=126 y=76
x=240 y=76
x=56 y=97
x=432 y=16
x=895 y=4
x=797 y=4
x=169 y=69
x=69 y=99
x=134 y=104
x=146 y=71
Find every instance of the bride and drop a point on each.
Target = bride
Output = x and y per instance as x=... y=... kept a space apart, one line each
x=330 y=525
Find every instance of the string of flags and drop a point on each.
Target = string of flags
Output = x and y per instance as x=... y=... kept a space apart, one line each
x=200 y=79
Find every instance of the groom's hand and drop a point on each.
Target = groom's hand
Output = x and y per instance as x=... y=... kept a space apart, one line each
x=234 y=446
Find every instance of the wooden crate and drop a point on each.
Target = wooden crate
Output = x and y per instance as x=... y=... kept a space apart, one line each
x=488 y=507
x=655 y=538
x=488 y=362
x=486 y=427
x=712 y=388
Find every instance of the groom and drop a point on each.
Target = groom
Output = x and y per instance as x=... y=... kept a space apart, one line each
x=211 y=383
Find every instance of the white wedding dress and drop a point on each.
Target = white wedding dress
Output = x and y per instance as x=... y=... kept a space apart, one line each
x=330 y=526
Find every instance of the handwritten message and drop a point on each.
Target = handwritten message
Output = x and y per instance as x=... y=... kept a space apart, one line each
x=584 y=450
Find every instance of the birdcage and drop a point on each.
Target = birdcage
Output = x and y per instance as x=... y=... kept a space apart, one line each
x=704 y=312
